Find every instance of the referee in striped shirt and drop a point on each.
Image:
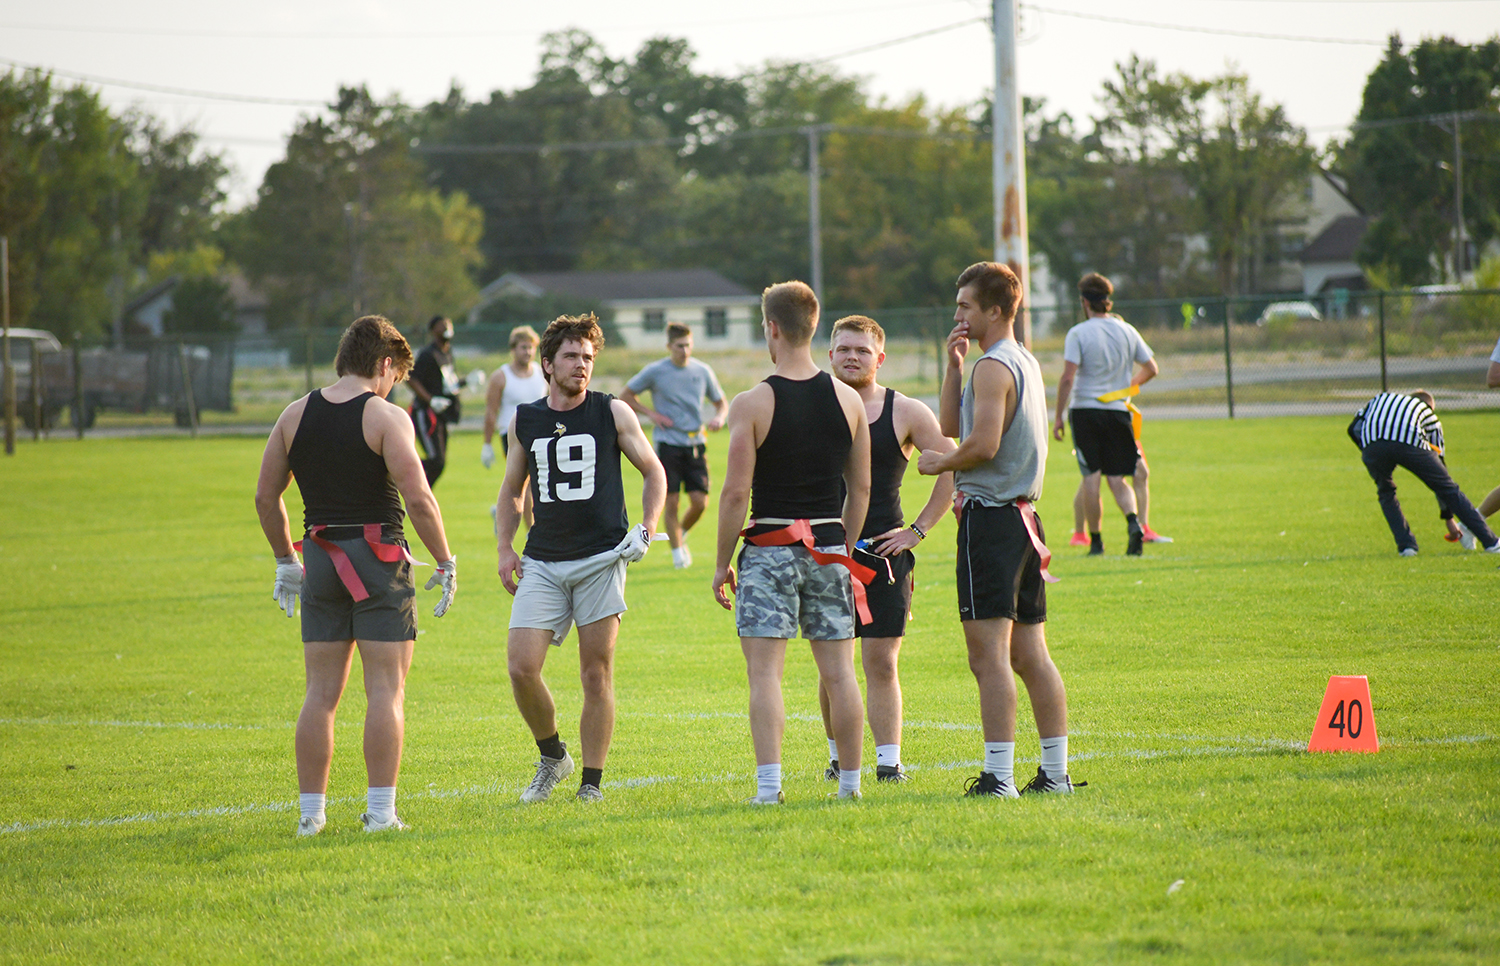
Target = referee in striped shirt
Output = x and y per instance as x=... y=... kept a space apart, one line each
x=1394 y=430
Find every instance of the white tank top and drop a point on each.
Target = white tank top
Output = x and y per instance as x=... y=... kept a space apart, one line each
x=518 y=390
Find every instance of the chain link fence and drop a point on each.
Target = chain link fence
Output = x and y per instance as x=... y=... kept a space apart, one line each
x=1268 y=355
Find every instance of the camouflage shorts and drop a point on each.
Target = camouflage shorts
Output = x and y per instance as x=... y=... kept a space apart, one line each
x=782 y=587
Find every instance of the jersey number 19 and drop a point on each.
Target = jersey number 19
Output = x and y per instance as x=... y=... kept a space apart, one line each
x=573 y=455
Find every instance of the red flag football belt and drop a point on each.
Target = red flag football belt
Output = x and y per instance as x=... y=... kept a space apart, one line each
x=1028 y=516
x=388 y=552
x=800 y=532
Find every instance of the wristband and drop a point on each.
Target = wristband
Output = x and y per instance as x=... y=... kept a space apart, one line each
x=921 y=534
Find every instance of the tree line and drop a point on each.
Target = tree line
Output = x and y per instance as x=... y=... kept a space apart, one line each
x=1174 y=186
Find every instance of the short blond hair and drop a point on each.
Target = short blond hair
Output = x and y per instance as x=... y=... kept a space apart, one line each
x=793 y=306
x=860 y=323
x=523 y=333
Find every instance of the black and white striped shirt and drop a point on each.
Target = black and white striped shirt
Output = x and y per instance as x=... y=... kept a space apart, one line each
x=1399 y=419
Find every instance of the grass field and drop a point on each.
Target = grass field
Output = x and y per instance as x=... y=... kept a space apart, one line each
x=148 y=687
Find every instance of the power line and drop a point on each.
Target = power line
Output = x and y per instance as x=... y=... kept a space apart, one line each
x=1220 y=31
x=901 y=40
x=163 y=89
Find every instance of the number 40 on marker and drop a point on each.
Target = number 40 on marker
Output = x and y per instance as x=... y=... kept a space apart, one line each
x=1346 y=722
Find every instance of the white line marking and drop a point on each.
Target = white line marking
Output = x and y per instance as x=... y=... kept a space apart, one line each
x=1257 y=746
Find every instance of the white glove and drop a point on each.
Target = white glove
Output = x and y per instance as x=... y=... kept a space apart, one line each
x=475 y=381
x=446 y=575
x=487 y=455
x=635 y=544
x=439 y=404
x=288 y=584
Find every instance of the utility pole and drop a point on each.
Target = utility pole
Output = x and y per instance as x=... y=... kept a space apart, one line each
x=1011 y=244
x=1458 y=204
x=814 y=210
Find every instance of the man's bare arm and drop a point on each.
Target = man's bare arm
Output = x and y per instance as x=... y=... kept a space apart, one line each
x=994 y=408
x=508 y=507
x=1146 y=372
x=494 y=394
x=734 y=496
x=398 y=447
x=950 y=398
x=918 y=426
x=857 y=465
x=637 y=449
x=1064 y=396
x=629 y=398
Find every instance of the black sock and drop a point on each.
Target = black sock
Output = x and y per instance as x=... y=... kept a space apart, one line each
x=1096 y=541
x=592 y=776
x=551 y=747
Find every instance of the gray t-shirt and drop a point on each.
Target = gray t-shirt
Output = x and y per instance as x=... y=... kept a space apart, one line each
x=1016 y=469
x=678 y=394
x=1105 y=349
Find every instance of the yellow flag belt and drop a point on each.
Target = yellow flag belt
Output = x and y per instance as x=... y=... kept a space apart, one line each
x=1126 y=394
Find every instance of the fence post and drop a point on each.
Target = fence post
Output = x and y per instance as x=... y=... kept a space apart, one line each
x=187 y=387
x=9 y=374
x=36 y=391
x=1380 y=296
x=1228 y=357
x=78 y=382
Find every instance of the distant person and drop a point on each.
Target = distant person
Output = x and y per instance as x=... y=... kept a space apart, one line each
x=434 y=383
x=566 y=447
x=678 y=385
x=1492 y=377
x=899 y=426
x=799 y=457
x=1099 y=353
x=1394 y=430
x=1000 y=418
x=518 y=381
x=1140 y=482
x=355 y=461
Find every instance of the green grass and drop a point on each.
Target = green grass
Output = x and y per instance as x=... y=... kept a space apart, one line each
x=148 y=685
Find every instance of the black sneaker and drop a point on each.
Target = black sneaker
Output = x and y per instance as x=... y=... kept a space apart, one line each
x=988 y=784
x=831 y=773
x=1137 y=538
x=1042 y=783
x=891 y=773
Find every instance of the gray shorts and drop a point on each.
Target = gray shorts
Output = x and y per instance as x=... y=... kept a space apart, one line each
x=782 y=587
x=556 y=594
x=330 y=613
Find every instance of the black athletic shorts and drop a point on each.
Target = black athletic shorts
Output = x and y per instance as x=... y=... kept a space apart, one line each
x=889 y=594
x=686 y=468
x=999 y=570
x=1104 y=440
x=329 y=611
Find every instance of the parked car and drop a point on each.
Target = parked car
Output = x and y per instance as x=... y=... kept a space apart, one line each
x=1290 y=311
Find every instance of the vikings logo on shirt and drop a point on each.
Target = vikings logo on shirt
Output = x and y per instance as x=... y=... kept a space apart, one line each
x=559 y=430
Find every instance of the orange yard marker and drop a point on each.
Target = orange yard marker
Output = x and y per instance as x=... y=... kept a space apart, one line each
x=1346 y=722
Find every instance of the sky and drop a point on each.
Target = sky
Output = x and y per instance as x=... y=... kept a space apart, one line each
x=1310 y=55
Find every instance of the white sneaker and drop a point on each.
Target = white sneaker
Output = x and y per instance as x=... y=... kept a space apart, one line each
x=549 y=771
x=1466 y=537
x=853 y=793
x=987 y=785
x=307 y=825
x=589 y=793
x=394 y=825
x=1409 y=552
x=682 y=557
x=779 y=799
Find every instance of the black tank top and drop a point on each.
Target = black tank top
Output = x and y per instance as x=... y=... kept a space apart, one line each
x=573 y=458
x=887 y=468
x=343 y=482
x=799 y=467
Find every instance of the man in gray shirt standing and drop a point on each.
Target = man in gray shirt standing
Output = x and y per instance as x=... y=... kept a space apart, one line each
x=678 y=386
x=1099 y=354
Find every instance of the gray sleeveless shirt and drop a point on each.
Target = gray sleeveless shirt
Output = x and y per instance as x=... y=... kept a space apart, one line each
x=1015 y=471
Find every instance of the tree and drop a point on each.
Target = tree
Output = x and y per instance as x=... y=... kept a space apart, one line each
x=1399 y=159
x=344 y=225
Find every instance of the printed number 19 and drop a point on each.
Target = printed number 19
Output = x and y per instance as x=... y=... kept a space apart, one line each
x=1353 y=720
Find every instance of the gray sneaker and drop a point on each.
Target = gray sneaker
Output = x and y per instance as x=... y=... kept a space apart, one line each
x=394 y=825
x=307 y=825
x=1046 y=783
x=549 y=771
x=987 y=785
x=831 y=773
x=589 y=793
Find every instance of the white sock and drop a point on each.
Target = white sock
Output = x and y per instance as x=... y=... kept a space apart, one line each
x=381 y=803
x=1055 y=756
x=312 y=805
x=767 y=780
x=1000 y=759
x=833 y=750
x=887 y=755
x=848 y=781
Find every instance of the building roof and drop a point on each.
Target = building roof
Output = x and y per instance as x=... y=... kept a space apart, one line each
x=642 y=286
x=1338 y=242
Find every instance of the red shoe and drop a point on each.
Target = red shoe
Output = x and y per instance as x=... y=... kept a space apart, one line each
x=1151 y=536
x=1079 y=540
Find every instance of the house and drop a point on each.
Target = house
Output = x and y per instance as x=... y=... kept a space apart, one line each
x=721 y=313
x=1328 y=260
